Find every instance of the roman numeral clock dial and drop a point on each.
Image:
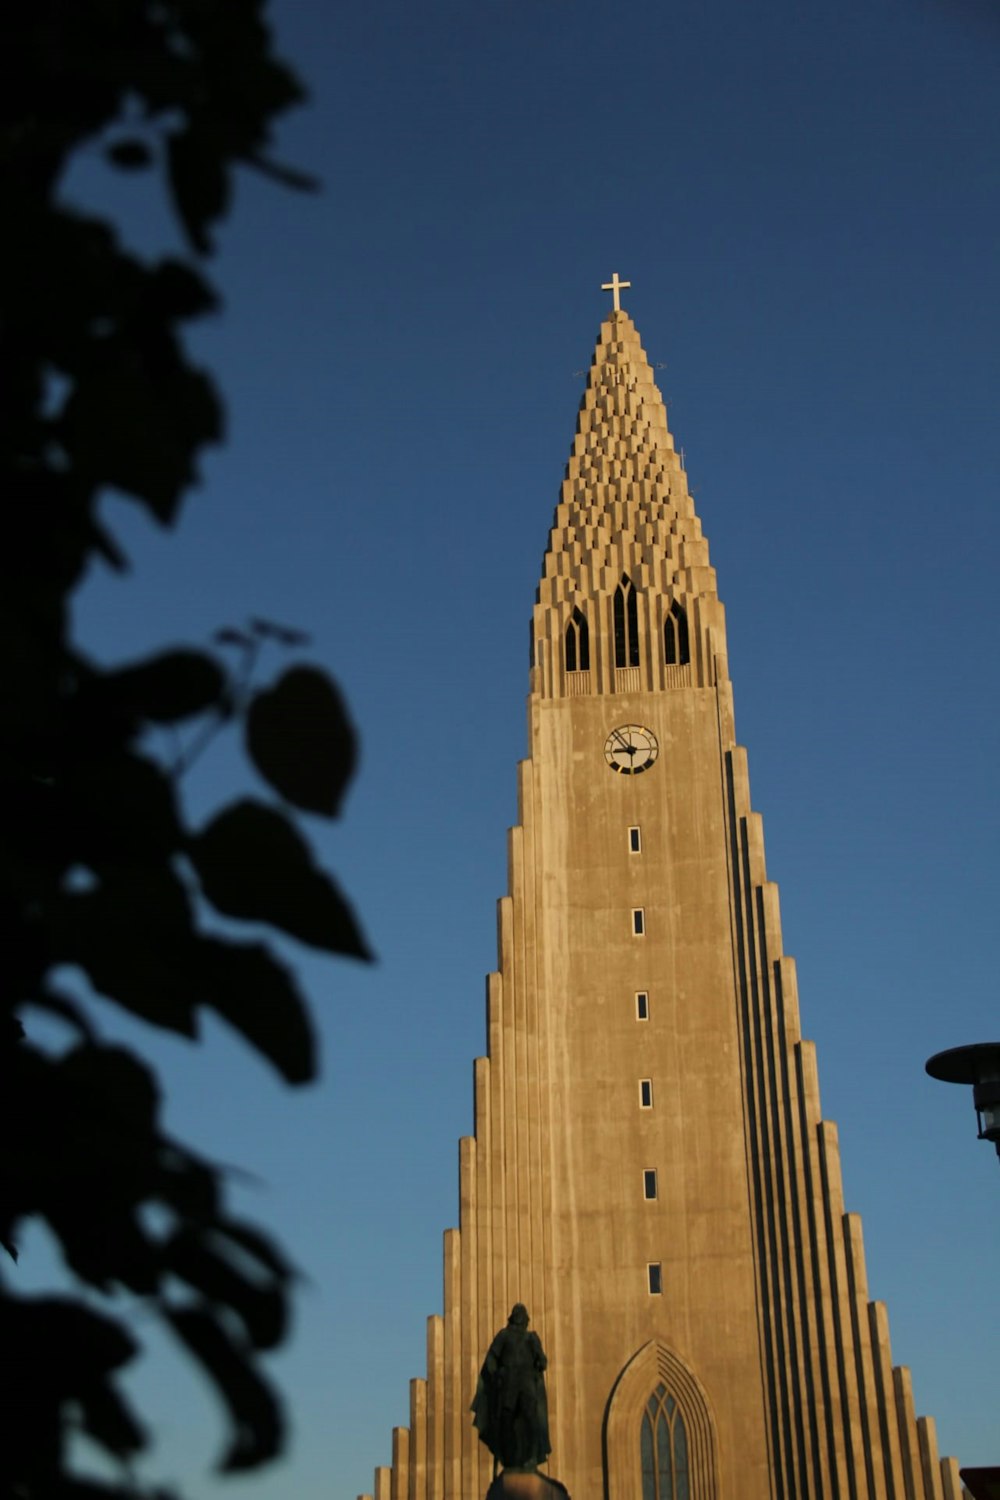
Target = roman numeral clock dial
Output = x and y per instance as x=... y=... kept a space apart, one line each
x=631 y=749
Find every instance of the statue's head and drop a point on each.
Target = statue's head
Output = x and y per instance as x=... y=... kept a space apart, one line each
x=519 y=1315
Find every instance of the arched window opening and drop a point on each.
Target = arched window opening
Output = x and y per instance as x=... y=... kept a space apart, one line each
x=663 y=1445
x=626 y=619
x=675 y=637
x=577 y=643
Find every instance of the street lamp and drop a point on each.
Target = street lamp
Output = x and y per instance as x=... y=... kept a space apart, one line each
x=980 y=1066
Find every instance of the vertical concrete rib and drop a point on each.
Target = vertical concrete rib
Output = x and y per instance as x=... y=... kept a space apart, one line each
x=485 y=1188
x=951 y=1480
x=806 y=1478
x=400 y=1484
x=878 y=1324
x=467 y=1308
x=537 y=1164
x=836 y=1431
x=737 y=789
x=906 y=1427
x=784 y=1455
x=847 y=1372
x=498 y=1190
x=522 y=1069
x=435 y=1407
x=929 y=1461
x=812 y=1390
x=453 y=1386
x=418 y=1440
x=858 y=1299
x=512 y=1240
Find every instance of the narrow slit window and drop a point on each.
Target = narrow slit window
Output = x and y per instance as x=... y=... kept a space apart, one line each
x=642 y=1005
x=577 y=643
x=654 y=1273
x=638 y=921
x=626 y=623
x=677 y=650
x=645 y=1093
x=634 y=841
x=649 y=1183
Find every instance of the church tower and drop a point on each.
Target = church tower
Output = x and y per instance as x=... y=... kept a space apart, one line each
x=650 y=1172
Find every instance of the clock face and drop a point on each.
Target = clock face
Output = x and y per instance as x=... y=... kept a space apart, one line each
x=631 y=749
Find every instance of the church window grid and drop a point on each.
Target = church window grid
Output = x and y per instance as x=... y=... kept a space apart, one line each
x=649 y=1184
x=625 y=615
x=638 y=921
x=664 y=1449
x=642 y=1005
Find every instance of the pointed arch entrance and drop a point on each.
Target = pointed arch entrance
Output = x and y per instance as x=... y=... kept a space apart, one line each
x=659 y=1435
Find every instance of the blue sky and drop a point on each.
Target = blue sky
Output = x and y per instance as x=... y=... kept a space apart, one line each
x=804 y=196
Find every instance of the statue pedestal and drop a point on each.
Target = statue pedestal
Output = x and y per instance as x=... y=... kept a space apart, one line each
x=514 y=1486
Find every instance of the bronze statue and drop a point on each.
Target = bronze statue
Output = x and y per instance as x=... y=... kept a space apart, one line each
x=511 y=1410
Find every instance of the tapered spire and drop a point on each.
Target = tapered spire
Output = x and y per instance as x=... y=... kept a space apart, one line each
x=625 y=511
x=622 y=433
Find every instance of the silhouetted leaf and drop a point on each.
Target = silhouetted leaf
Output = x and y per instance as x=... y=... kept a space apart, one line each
x=117 y=809
x=133 y=938
x=301 y=740
x=137 y=424
x=132 y=155
x=89 y=1344
x=100 y=393
x=257 y=995
x=199 y=184
x=201 y=1260
x=55 y=1351
x=191 y=1187
x=255 y=1414
x=109 y=1421
x=175 y=290
x=253 y=864
x=168 y=687
x=259 y=1246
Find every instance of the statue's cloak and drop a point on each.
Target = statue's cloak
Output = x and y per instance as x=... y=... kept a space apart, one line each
x=510 y=1408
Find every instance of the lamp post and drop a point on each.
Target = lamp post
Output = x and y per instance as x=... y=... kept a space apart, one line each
x=980 y=1066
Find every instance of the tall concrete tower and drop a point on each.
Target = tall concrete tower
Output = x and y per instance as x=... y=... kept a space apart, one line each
x=650 y=1172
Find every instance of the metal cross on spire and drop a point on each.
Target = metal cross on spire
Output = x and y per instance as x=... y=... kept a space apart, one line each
x=614 y=286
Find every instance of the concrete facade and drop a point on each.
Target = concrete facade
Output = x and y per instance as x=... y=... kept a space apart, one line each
x=650 y=1172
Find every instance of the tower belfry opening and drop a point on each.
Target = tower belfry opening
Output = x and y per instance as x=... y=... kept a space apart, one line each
x=650 y=1172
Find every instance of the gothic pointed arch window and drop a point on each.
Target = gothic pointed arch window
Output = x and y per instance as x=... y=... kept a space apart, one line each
x=626 y=621
x=664 y=1448
x=577 y=643
x=660 y=1435
x=677 y=650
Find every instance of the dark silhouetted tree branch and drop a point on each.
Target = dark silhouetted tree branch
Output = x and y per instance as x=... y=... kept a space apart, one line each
x=98 y=866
